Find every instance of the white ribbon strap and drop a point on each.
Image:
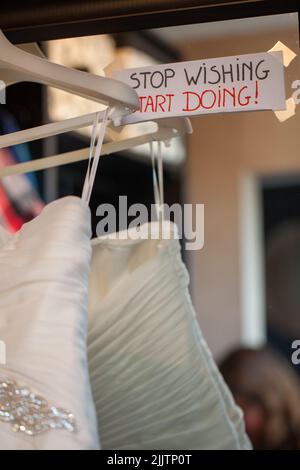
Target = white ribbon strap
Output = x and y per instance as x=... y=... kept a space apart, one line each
x=92 y=148
x=158 y=182
x=95 y=153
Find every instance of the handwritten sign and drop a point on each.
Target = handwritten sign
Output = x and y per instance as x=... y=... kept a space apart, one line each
x=239 y=83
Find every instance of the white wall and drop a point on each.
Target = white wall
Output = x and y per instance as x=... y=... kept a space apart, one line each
x=223 y=153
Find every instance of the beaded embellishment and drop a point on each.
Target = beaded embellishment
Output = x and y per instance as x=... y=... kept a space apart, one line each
x=30 y=413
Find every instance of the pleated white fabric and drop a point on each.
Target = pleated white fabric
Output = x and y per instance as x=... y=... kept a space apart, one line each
x=44 y=271
x=154 y=381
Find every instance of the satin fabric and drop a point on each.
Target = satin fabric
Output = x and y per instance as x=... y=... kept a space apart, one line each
x=155 y=384
x=154 y=381
x=44 y=271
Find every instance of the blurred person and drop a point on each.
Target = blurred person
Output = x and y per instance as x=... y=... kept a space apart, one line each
x=267 y=389
x=282 y=286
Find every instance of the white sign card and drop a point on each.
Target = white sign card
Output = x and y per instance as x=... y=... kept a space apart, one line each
x=239 y=83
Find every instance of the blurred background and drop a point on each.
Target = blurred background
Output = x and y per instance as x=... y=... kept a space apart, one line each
x=245 y=168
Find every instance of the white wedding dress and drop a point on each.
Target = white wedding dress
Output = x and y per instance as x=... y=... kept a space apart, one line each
x=155 y=384
x=154 y=381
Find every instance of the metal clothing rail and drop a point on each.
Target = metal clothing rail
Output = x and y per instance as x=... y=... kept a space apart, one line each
x=38 y=20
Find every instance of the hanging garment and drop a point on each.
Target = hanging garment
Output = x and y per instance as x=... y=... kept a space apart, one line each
x=20 y=192
x=10 y=219
x=20 y=152
x=154 y=381
x=44 y=271
x=45 y=394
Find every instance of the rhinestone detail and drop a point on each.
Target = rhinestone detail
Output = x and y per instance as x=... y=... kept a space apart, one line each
x=30 y=413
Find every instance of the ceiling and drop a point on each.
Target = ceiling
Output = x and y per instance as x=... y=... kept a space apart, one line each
x=238 y=27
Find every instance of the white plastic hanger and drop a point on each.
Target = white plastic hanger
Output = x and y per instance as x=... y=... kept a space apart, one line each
x=168 y=128
x=28 y=63
x=18 y=65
